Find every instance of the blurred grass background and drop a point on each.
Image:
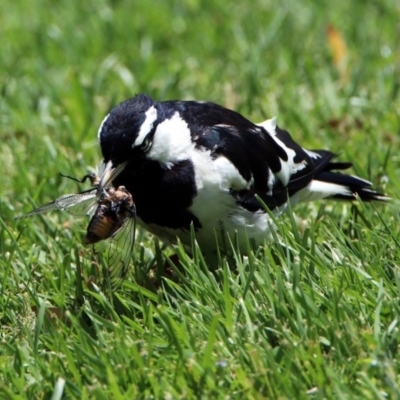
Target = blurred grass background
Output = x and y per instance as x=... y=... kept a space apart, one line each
x=319 y=322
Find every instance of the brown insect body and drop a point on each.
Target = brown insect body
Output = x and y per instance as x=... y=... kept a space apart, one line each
x=113 y=208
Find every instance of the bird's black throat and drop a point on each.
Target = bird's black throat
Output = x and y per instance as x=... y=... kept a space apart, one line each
x=162 y=195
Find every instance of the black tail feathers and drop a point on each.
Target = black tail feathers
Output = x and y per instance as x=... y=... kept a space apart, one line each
x=357 y=187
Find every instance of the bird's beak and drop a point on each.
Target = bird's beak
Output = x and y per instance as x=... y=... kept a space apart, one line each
x=107 y=173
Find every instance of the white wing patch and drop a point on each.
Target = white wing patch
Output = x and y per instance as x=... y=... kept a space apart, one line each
x=147 y=126
x=171 y=142
x=289 y=167
x=269 y=125
x=312 y=154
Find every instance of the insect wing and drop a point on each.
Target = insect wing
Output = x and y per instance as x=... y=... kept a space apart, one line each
x=117 y=251
x=76 y=204
x=41 y=210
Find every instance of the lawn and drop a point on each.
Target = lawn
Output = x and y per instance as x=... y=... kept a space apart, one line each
x=314 y=315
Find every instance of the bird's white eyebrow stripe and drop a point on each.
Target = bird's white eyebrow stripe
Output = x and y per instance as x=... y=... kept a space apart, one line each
x=101 y=127
x=147 y=126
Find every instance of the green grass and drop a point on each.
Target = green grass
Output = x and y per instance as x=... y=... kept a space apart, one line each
x=315 y=315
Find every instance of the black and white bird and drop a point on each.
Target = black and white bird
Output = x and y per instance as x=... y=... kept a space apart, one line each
x=197 y=163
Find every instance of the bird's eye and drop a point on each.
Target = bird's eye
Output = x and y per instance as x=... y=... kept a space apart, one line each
x=145 y=147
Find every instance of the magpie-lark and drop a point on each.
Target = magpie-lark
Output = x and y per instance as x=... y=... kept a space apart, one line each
x=193 y=162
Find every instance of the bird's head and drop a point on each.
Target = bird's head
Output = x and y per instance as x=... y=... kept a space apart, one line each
x=140 y=130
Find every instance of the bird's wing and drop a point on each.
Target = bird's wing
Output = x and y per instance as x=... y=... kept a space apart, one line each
x=266 y=157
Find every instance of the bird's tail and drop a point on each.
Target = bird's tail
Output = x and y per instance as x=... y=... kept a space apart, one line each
x=329 y=183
